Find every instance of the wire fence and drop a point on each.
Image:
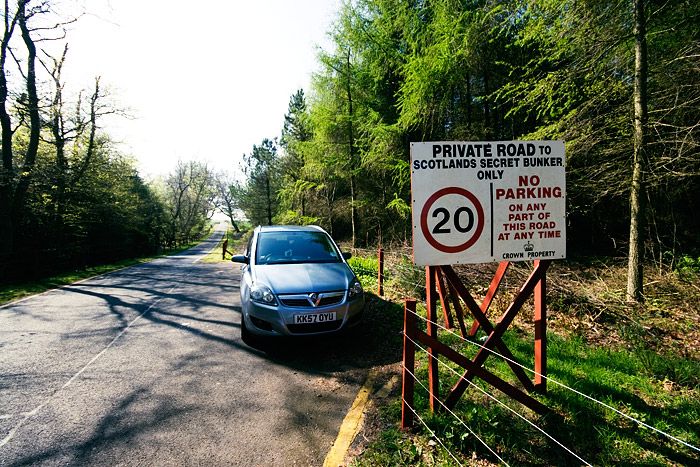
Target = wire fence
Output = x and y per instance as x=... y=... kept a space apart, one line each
x=408 y=280
x=454 y=415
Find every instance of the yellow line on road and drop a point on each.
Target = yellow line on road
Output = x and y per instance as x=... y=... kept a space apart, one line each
x=351 y=425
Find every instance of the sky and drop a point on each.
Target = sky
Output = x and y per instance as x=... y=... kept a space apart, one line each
x=201 y=80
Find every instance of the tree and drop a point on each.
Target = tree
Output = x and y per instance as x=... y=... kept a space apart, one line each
x=79 y=128
x=226 y=200
x=14 y=182
x=7 y=176
x=189 y=197
x=259 y=196
x=533 y=69
x=634 y=258
x=74 y=199
x=296 y=133
x=16 y=173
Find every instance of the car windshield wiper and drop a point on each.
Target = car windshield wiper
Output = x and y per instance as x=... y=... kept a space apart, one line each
x=301 y=261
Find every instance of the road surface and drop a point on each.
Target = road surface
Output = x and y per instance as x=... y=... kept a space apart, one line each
x=145 y=366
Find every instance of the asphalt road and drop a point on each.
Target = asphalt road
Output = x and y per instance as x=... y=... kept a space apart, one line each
x=145 y=366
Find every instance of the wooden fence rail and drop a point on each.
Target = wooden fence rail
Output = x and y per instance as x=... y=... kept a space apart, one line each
x=443 y=283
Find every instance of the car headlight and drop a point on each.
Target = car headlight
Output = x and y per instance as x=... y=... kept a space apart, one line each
x=262 y=293
x=355 y=289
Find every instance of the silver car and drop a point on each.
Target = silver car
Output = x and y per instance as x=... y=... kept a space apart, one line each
x=296 y=281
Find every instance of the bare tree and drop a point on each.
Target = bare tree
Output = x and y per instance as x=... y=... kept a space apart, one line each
x=190 y=193
x=225 y=199
x=16 y=175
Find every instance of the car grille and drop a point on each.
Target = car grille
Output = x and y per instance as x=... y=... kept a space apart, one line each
x=298 y=301
x=295 y=302
x=315 y=327
x=325 y=301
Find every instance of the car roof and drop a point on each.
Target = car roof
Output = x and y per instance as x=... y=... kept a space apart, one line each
x=290 y=228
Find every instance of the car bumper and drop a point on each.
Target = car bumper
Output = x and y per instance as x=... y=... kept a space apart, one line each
x=278 y=320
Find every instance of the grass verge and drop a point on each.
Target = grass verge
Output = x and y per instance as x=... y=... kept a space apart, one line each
x=236 y=242
x=16 y=291
x=617 y=354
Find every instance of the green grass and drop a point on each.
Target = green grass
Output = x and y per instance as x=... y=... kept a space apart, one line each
x=631 y=373
x=663 y=392
x=236 y=243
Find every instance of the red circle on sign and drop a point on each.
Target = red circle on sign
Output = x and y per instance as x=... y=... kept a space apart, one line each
x=424 y=219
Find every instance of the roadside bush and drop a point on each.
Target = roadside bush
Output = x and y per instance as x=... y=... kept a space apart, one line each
x=688 y=268
x=366 y=270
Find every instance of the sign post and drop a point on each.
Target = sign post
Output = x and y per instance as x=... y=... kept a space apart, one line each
x=479 y=202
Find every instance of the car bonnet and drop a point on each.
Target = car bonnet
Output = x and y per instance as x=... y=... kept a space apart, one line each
x=304 y=278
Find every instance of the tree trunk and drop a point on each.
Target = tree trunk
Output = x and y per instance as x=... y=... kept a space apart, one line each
x=20 y=192
x=7 y=169
x=233 y=224
x=635 y=280
x=58 y=131
x=92 y=144
x=351 y=143
x=469 y=102
x=487 y=108
x=268 y=194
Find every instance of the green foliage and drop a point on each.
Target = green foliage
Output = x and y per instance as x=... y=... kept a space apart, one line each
x=533 y=69
x=106 y=214
x=399 y=206
x=294 y=218
x=636 y=382
x=688 y=268
x=188 y=194
x=366 y=270
x=258 y=197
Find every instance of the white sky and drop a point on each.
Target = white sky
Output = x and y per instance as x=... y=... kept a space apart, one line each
x=203 y=80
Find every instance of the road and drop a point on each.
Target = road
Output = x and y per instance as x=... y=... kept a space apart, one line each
x=145 y=366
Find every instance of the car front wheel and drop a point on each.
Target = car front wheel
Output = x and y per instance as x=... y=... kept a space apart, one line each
x=249 y=338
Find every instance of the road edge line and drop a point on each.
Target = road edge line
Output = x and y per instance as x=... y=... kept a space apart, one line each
x=49 y=398
x=351 y=424
x=63 y=286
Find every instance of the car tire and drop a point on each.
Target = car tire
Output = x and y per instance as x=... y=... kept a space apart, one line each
x=246 y=336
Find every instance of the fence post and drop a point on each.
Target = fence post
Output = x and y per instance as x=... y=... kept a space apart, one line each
x=380 y=273
x=431 y=305
x=540 y=294
x=409 y=360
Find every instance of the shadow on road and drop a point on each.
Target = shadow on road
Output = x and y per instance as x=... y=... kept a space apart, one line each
x=207 y=295
x=191 y=310
x=375 y=341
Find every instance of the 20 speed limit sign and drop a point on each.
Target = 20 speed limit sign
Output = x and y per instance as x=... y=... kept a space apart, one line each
x=476 y=202
x=452 y=219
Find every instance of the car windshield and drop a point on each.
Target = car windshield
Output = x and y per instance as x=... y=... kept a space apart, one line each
x=295 y=247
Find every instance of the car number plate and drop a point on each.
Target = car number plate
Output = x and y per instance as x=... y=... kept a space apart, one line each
x=314 y=318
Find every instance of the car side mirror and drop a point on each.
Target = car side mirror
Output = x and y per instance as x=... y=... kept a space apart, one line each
x=240 y=259
x=347 y=255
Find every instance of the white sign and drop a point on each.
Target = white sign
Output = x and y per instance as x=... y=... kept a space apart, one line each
x=477 y=202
